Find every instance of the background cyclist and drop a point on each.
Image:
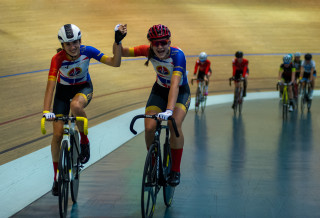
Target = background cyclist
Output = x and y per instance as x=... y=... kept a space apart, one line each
x=69 y=75
x=240 y=70
x=204 y=72
x=308 y=72
x=297 y=64
x=170 y=93
x=287 y=75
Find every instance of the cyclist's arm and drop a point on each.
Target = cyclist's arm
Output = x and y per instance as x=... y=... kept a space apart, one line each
x=196 y=68
x=280 y=74
x=293 y=75
x=311 y=73
x=234 y=68
x=48 y=95
x=208 y=67
x=114 y=61
x=174 y=90
x=301 y=73
x=142 y=50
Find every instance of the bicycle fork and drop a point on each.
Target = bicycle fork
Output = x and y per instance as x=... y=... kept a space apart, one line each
x=66 y=138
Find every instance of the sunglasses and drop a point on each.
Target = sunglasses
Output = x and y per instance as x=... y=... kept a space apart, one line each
x=160 y=42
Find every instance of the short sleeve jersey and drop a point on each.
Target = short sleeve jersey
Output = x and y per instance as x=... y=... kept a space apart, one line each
x=308 y=66
x=204 y=66
x=76 y=72
x=165 y=69
x=287 y=71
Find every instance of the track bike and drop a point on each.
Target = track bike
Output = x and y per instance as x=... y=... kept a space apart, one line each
x=285 y=99
x=157 y=167
x=69 y=166
x=305 y=100
x=201 y=98
x=238 y=95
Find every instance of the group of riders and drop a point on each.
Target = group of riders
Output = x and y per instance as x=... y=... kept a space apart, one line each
x=292 y=71
x=170 y=95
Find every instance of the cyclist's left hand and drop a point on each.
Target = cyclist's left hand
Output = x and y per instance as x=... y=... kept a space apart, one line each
x=120 y=32
x=165 y=115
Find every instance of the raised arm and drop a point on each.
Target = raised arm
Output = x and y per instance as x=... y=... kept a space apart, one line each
x=120 y=33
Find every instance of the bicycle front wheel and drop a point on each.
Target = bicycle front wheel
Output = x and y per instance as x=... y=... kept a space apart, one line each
x=150 y=186
x=75 y=163
x=204 y=99
x=168 y=191
x=63 y=179
x=197 y=104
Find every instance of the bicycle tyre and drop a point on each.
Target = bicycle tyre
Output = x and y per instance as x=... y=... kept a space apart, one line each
x=240 y=101
x=63 y=179
x=168 y=191
x=203 y=100
x=75 y=163
x=309 y=104
x=149 y=184
x=302 y=103
x=197 y=104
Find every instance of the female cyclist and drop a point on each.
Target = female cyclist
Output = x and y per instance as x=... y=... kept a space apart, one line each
x=308 y=72
x=170 y=92
x=240 y=70
x=297 y=64
x=69 y=75
x=204 y=69
x=287 y=74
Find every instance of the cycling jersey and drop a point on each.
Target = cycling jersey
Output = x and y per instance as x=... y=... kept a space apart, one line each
x=308 y=66
x=297 y=65
x=165 y=69
x=240 y=67
x=287 y=71
x=68 y=72
x=204 y=66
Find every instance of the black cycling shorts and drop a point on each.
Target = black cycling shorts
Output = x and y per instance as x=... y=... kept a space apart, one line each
x=65 y=93
x=158 y=98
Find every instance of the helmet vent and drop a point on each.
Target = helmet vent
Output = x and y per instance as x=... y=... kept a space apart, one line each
x=69 y=32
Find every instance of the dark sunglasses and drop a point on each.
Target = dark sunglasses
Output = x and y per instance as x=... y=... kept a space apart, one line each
x=160 y=42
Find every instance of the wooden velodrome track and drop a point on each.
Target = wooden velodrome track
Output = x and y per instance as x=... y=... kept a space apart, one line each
x=28 y=34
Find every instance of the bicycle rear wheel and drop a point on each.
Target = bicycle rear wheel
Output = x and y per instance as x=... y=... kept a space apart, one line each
x=168 y=191
x=75 y=163
x=63 y=179
x=150 y=186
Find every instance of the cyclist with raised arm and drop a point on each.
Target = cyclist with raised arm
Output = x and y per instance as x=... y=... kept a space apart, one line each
x=202 y=70
x=287 y=75
x=170 y=95
x=240 y=70
x=308 y=72
x=70 y=77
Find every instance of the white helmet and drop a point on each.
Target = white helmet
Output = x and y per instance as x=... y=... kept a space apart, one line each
x=69 y=33
x=203 y=56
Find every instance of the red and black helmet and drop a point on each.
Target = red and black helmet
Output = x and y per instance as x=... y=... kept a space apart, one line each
x=158 y=32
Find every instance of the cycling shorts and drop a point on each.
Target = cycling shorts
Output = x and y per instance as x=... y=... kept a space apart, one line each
x=158 y=98
x=286 y=77
x=201 y=75
x=306 y=76
x=65 y=93
x=239 y=74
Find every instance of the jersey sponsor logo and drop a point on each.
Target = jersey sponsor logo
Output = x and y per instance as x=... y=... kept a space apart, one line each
x=163 y=70
x=74 y=71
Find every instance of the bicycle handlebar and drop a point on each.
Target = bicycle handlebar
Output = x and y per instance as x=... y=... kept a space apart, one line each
x=155 y=118
x=234 y=79
x=66 y=118
x=285 y=84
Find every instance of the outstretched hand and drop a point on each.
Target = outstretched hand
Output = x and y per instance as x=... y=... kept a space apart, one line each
x=120 y=32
